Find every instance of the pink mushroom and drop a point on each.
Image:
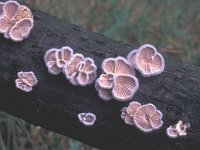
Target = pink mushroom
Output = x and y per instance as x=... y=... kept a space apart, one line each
x=26 y=81
x=148 y=61
x=171 y=132
x=128 y=112
x=147 y=118
x=88 y=119
x=16 y=21
x=104 y=94
x=80 y=70
x=51 y=61
x=118 y=77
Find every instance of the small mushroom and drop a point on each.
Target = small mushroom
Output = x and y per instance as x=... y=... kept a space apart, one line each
x=104 y=94
x=106 y=81
x=16 y=21
x=26 y=81
x=63 y=56
x=88 y=119
x=178 y=130
x=148 y=61
x=128 y=112
x=171 y=132
x=51 y=61
x=124 y=87
x=147 y=118
x=80 y=70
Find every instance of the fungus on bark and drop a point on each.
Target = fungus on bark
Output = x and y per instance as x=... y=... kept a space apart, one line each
x=131 y=57
x=51 y=61
x=118 y=78
x=148 y=61
x=16 y=21
x=88 y=119
x=26 y=81
x=80 y=70
x=147 y=118
x=128 y=112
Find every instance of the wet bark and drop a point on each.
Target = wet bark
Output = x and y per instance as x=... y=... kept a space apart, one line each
x=54 y=103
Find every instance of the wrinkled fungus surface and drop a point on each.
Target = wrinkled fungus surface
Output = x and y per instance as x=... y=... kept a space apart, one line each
x=26 y=81
x=148 y=61
x=145 y=117
x=87 y=119
x=80 y=70
x=118 y=80
x=16 y=21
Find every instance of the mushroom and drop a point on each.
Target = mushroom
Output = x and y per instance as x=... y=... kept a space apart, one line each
x=88 y=119
x=147 y=118
x=177 y=130
x=104 y=94
x=171 y=132
x=63 y=56
x=25 y=81
x=119 y=78
x=51 y=61
x=148 y=61
x=128 y=112
x=16 y=21
x=80 y=70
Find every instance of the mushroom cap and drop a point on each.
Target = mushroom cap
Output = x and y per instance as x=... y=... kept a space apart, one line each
x=10 y=8
x=104 y=94
x=25 y=81
x=106 y=81
x=148 y=118
x=124 y=87
x=127 y=119
x=50 y=61
x=117 y=66
x=87 y=119
x=132 y=108
x=70 y=69
x=21 y=30
x=148 y=61
x=171 y=132
x=63 y=56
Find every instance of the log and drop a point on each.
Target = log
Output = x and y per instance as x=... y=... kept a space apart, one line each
x=54 y=103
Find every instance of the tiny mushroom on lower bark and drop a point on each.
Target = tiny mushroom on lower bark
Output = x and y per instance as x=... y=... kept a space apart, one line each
x=148 y=61
x=88 y=119
x=26 y=81
x=177 y=130
x=147 y=118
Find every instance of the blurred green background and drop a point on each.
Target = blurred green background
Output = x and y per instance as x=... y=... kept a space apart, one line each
x=171 y=25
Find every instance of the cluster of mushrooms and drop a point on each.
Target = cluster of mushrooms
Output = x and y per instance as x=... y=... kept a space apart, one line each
x=76 y=68
x=16 y=21
x=118 y=80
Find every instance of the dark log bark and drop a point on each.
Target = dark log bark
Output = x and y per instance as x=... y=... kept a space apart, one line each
x=54 y=103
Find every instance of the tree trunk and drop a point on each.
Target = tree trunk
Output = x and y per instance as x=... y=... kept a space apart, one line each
x=54 y=103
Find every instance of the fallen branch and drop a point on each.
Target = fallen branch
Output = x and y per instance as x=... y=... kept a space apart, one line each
x=54 y=103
